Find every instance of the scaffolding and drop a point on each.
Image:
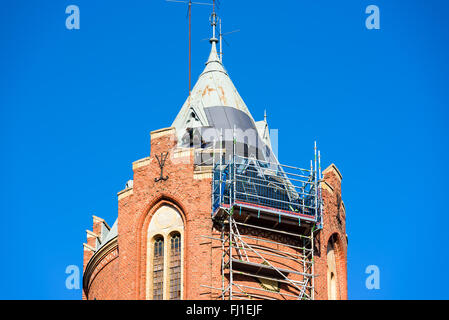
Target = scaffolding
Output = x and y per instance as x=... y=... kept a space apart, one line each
x=266 y=215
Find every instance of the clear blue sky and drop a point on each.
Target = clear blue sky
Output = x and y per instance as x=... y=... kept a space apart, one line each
x=76 y=108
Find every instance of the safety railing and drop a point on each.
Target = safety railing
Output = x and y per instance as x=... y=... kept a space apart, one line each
x=263 y=185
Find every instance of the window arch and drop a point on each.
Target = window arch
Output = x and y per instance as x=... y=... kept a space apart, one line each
x=165 y=254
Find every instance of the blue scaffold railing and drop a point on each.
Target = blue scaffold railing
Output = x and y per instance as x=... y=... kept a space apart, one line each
x=280 y=189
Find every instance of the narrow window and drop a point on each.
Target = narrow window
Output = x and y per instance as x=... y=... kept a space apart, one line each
x=333 y=288
x=331 y=271
x=175 y=267
x=158 y=269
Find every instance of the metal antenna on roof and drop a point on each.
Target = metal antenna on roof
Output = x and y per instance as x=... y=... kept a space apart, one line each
x=190 y=2
x=223 y=39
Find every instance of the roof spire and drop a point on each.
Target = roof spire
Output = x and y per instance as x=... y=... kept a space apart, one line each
x=265 y=115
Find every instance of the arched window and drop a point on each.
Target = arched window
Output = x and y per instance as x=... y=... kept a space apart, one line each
x=175 y=266
x=165 y=255
x=331 y=271
x=158 y=268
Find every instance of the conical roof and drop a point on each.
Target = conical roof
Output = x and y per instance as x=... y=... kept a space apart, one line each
x=213 y=88
x=215 y=111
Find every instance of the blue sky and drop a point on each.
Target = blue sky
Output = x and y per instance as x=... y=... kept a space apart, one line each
x=77 y=106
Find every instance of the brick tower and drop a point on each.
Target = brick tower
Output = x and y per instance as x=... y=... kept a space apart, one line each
x=213 y=214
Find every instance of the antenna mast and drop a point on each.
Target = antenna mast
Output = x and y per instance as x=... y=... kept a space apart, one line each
x=190 y=47
x=221 y=39
x=189 y=3
x=220 y=36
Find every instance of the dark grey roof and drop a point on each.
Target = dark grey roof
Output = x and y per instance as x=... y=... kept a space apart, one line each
x=107 y=236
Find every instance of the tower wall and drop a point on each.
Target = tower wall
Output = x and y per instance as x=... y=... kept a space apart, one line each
x=334 y=230
x=186 y=190
x=103 y=282
x=121 y=272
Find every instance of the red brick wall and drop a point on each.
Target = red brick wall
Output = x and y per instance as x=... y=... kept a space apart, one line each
x=192 y=199
x=334 y=226
x=103 y=284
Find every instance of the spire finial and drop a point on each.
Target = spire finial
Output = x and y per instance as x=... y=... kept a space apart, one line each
x=265 y=115
x=213 y=23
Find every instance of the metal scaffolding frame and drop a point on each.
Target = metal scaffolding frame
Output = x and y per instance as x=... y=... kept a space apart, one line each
x=241 y=257
x=249 y=195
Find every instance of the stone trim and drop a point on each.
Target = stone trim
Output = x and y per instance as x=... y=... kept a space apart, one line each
x=202 y=175
x=334 y=168
x=91 y=234
x=124 y=193
x=166 y=233
x=203 y=172
x=211 y=150
x=327 y=186
x=88 y=247
x=203 y=168
x=141 y=163
x=182 y=152
x=98 y=219
x=162 y=132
